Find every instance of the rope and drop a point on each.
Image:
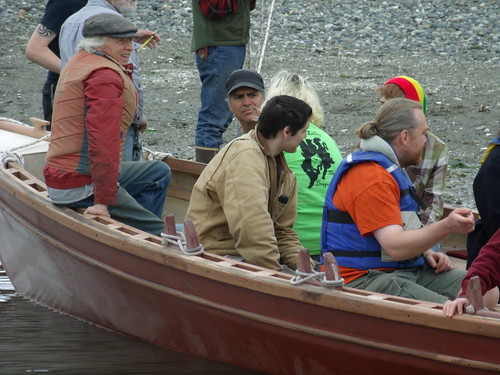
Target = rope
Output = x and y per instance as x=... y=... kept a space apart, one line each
x=266 y=36
x=302 y=277
x=262 y=48
x=180 y=241
x=7 y=156
x=31 y=144
x=12 y=120
x=156 y=155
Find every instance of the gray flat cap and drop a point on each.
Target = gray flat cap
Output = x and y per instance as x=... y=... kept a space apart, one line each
x=109 y=24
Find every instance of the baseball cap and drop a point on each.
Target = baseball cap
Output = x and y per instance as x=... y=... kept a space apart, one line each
x=244 y=78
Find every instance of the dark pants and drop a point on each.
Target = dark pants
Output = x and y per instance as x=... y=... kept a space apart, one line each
x=48 y=92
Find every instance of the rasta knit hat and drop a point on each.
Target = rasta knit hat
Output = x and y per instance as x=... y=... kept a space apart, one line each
x=109 y=24
x=411 y=89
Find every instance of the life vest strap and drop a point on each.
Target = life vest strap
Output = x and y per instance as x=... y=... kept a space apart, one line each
x=355 y=253
x=340 y=217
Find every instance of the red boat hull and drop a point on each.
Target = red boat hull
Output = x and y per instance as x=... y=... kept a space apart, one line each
x=242 y=315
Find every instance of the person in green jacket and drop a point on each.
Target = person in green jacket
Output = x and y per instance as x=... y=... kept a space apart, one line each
x=314 y=162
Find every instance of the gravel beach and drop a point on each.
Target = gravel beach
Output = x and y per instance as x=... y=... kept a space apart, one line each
x=345 y=48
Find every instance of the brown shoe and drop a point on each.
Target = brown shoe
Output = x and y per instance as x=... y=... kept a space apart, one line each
x=205 y=154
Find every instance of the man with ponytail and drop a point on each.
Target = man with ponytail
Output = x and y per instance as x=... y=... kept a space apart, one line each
x=370 y=220
x=429 y=176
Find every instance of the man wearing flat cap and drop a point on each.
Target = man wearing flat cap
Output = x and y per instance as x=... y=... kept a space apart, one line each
x=245 y=96
x=95 y=102
x=71 y=35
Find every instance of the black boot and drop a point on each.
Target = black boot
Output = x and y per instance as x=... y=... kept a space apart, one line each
x=204 y=155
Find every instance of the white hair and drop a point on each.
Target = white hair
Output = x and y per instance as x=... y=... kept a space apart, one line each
x=92 y=44
x=286 y=83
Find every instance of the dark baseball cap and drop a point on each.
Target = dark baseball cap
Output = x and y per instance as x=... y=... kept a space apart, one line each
x=109 y=24
x=244 y=78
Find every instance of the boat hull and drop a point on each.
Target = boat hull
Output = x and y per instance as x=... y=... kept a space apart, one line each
x=214 y=308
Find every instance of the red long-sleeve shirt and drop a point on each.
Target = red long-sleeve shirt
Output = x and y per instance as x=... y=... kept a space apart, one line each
x=486 y=266
x=103 y=92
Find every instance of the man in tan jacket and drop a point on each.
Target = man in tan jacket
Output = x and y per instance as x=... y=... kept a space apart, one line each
x=244 y=204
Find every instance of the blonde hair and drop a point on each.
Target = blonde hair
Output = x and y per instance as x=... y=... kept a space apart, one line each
x=391 y=119
x=286 y=83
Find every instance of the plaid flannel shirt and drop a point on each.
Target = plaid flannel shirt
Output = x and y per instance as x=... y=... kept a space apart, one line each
x=220 y=8
x=429 y=178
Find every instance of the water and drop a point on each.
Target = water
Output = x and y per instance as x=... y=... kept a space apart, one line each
x=35 y=340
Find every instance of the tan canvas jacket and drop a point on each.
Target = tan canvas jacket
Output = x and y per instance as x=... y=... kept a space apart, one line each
x=237 y=209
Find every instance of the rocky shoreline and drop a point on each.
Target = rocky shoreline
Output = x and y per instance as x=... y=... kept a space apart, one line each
x=346 y=49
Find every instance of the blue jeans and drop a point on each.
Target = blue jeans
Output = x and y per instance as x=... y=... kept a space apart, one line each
x=132 y=150
x=214 y=116
x=141 y=195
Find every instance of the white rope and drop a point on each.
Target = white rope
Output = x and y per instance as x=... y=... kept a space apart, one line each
x=156 y=155
x=14 y=121
x=45 y=137
x=332 y=283
x=7 y=156
x=266 y=36
x=302 y=277
x=262 y=46
x=180 y=241
x=261 y=32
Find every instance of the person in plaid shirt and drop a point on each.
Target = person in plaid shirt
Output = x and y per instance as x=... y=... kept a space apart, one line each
x=429 y=177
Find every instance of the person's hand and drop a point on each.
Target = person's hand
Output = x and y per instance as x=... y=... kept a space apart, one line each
x=460 y=220
x=144 y=35
x=97 y=209
x=452 y=307
x=143 y=125
x=439 y=261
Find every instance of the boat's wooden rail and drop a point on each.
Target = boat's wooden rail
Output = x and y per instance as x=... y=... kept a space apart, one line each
x=38 y=130
x=27 y=179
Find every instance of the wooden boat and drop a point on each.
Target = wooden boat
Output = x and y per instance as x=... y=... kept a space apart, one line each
x=128 y=281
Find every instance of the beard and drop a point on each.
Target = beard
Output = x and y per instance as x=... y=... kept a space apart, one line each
x=412 y=159
x=125 y=7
